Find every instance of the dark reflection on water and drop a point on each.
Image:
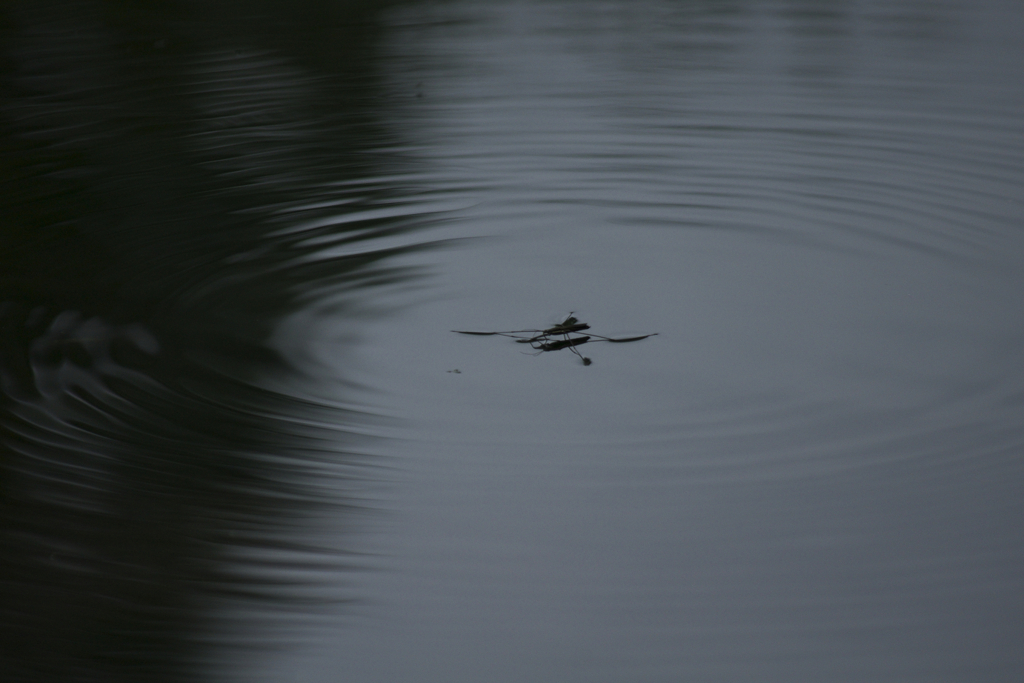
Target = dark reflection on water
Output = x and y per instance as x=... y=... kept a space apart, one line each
x=174 y=185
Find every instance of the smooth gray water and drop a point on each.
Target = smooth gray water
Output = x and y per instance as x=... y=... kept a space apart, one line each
x=812 y=473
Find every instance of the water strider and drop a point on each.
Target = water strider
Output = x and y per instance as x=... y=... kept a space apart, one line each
x=558 y=337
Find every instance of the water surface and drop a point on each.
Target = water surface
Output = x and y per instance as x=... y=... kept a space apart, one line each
x=239 y=420
x=813 y=472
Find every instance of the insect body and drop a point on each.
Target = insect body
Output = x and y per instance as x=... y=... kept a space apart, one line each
x=558 y=337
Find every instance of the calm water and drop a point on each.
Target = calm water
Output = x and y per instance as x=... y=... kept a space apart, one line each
x=240 y=441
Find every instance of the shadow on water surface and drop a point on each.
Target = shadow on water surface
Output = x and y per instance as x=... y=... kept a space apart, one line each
x=172 y=181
